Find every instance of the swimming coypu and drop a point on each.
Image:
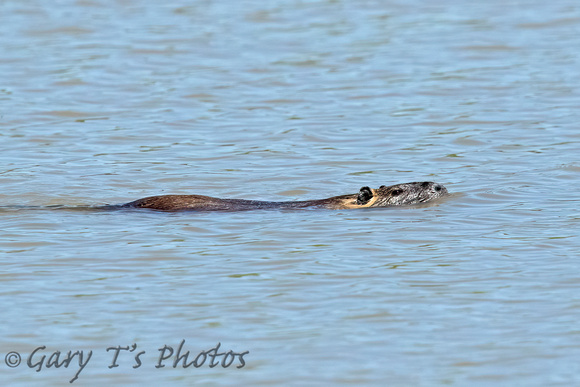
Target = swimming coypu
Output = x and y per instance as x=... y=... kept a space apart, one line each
x=394 y=195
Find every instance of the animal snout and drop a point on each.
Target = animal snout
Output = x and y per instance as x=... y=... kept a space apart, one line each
x=439 y=188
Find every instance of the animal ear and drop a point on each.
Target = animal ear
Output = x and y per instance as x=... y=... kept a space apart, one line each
x=364 y=195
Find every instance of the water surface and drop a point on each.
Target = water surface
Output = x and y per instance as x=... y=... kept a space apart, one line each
x=109 y=101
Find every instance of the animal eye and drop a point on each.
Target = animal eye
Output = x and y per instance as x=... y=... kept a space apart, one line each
x=397 y=192
x=437 y=188
x=382 y=186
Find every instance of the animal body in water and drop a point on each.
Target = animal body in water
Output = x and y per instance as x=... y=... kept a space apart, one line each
x=394 y=195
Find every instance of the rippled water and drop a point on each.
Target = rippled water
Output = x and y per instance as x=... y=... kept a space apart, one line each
x=109 y=101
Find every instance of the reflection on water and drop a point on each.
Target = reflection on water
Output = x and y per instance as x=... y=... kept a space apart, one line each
x=106 y=102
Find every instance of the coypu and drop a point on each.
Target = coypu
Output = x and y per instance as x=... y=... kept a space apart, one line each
x=394 y=195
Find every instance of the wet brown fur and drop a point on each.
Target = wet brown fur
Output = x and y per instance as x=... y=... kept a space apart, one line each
x=395 y=195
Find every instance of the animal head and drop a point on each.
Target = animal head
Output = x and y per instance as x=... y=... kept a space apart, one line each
x=400 y=194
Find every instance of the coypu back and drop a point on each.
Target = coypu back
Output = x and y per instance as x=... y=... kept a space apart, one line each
x=394 y=195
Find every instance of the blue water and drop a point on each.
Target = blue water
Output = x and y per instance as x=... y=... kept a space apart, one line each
x=109 y=101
